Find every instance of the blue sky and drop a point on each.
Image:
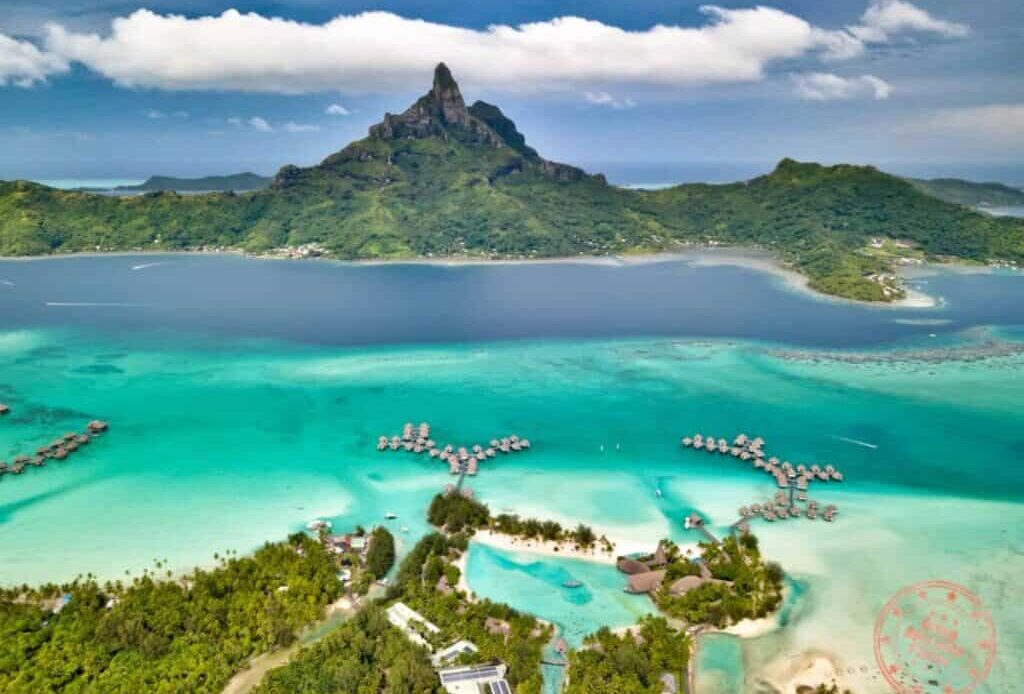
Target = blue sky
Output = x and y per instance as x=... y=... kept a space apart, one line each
x=649 y=90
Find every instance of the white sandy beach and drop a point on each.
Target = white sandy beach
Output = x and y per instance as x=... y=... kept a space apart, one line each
x=563 y=550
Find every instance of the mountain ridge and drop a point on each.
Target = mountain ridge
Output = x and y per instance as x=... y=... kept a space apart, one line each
x=445 y=180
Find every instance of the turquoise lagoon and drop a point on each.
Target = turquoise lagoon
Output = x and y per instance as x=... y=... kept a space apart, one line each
x=221 y=443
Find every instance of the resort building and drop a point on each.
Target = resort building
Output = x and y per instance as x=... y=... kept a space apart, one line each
x=452 y=653
x=412 y=624
x=645 y=582
x=475 y=679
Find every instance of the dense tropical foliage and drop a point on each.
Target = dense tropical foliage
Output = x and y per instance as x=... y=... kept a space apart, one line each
x=746 y=586
x=471 y=186
x=187 y=635
x=364 y=656
x=631 y=663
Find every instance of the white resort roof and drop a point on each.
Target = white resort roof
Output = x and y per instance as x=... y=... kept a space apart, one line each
x=474 y=679
x=404 y=617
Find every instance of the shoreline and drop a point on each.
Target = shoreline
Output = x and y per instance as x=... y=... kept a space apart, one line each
x=697 y=255
x=557 y=550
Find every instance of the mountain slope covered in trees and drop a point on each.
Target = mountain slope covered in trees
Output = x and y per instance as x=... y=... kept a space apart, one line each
x=444 y=179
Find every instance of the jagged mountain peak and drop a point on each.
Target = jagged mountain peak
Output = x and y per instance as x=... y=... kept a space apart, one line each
x=442 y=114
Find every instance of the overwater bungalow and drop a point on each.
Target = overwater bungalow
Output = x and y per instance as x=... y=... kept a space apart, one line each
x=97 y=426
x=453 y=466
x=60 y=454
x=723 y=448
x=490 y=452
x=710 y=445
x=756 y=508
x=741 y=440
x=3 y=467
x=516 y=446
x=687 y=442
x=407 y=445
x=812 y=513
x=815 y=469
x=757 y=442
x=472 y=467
x=837 y=476
x=525 y=443
x=773 y=460
x=801 y=496
x=17 y=468
x=768 y=515
x=744 y=456
x=382 y=443
x=4 y=409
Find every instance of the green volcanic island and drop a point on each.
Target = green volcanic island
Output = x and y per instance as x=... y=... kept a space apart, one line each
x=446 y=180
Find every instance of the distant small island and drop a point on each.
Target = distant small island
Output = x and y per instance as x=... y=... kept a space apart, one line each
x=239 y=183
x=970 y=193
x=447 y=180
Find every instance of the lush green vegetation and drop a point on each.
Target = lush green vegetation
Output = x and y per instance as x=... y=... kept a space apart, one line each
x=380 y=556
x=364 y=656
x=610 y=664
x=548 y=530
x=454 y=512
x=969 y=193
x=747 y=587
x=188 y=635
x=456 y=189
x=519 y=646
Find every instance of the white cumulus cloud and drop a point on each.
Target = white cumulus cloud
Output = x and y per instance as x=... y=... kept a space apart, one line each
x=885 y=18
x=250 y=52
x=23 y=64
x=603 y=98
x=257 y=123
x=825 y=86
x=337 y=110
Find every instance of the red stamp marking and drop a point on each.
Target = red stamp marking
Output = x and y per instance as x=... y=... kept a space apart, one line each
x=934 y=637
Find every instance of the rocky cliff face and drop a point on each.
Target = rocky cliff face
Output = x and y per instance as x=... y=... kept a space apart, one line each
x=441 y=112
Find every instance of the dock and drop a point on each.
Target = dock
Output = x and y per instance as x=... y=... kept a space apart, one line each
x=793 y=482
x=59 y=449
x=461 y=460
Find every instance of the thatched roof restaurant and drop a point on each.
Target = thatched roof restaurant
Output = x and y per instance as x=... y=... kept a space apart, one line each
x=645 y=582
x=631 y=566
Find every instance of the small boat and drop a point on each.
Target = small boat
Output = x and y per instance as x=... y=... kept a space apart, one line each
x=404 y=528
x=571 y=583
x=390 y=516
x=657 y=492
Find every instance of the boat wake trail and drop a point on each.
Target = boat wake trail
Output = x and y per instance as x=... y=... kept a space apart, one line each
x=90 y=304
x=855 y=442
x=147 y=265
x=7 y=283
